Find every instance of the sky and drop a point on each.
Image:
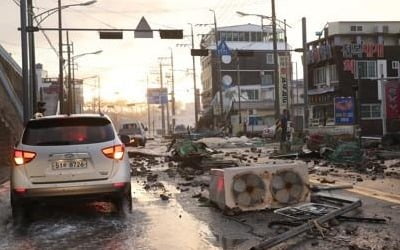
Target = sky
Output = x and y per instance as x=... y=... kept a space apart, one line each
x=125 y=65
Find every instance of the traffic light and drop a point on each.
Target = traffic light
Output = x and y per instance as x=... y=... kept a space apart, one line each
x=41 y=107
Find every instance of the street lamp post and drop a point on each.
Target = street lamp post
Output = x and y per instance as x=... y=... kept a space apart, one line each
x=72 y=60
x=196 y=111
x=98 y=90
x=42 y=16
x=173 y=91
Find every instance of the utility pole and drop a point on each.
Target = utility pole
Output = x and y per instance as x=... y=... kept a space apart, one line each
x=288 y=66
x=98 y=93
x=218 y=61
x=73 y=79
x=168 y=123
x=148 y=106
x=69 y=97
x=24 y=52
x=173 y=91
x=196 y=111
x=276 y=68
x=161 y=102
x=238 y=86
x=305 y=72
x=32 y=59
x=61 y=60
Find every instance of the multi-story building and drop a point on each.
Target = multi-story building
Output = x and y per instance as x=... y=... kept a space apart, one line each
x=254 y=73
x=353 y=59
x=48 y=89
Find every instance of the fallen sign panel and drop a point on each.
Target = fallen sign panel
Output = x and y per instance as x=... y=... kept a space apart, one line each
x=355 y=203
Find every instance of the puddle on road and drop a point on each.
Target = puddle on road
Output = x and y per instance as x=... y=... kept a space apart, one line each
x=154 y=224
x=168 y=225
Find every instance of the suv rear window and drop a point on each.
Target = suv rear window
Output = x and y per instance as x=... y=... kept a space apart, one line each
x=68 y=131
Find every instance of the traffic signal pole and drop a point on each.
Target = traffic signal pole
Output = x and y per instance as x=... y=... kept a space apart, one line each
x=25 y=72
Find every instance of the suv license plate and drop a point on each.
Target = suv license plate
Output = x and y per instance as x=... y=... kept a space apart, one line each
x=75 y=164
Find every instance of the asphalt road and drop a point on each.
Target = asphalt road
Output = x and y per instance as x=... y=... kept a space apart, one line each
x=182 y=222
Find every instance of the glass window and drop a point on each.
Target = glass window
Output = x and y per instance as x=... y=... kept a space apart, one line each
x=366 y=70
x=247 y=36
x=253 y=36
x=320 y=75
x=228 y=36
x=68 y=131
x=252 y=94
x=266 y=78
x=235 y=36
x=241 y=36
x=333 y=76
x=353 y=28
x=270 y=58
x=222 y=36
x=371 y=111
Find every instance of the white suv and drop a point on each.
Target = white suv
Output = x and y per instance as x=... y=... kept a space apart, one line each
x=76 y=156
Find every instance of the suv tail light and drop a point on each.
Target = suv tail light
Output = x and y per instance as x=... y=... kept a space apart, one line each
x=115 y=152
x=22 y=157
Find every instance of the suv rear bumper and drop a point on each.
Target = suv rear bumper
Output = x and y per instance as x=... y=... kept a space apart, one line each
x=93 y=192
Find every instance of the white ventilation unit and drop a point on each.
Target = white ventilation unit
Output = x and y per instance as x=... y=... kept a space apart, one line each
x=260 y=187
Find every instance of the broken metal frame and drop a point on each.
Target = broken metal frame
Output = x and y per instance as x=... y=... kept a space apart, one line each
x=354 y=203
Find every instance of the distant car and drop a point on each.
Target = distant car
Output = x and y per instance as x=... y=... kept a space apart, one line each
x=69 y=157
x=180 y=131
x=272 y=133
x=136 y=131
x=269 y=133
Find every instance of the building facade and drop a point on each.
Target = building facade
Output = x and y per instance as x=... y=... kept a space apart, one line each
x=249 y=65
x=353 y=59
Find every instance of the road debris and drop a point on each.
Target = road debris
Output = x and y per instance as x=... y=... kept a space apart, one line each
x=312 y=224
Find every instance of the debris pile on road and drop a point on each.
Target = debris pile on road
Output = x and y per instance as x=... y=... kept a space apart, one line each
x=317 y=219
x=196 y=155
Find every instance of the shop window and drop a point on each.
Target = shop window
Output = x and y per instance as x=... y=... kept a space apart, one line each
x=320 y=75
x=270 y=58
x=252 y=94
x=266 y=78
x=333 y=76
x=371 y=111
x=366 y=70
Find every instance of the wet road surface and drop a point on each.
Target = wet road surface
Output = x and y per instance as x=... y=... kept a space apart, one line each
x=181 y=222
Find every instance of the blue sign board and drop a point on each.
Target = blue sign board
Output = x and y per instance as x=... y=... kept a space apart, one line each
x=157 y=96
x=344 y=110
x=223 y=49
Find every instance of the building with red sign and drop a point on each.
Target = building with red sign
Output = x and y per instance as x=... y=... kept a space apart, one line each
x=355 y=59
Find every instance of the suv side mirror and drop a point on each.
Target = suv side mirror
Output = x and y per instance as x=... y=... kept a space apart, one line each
x=125 y=139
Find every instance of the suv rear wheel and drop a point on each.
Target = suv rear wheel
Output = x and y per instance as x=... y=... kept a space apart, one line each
x=19 y=210
x=123 y=203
